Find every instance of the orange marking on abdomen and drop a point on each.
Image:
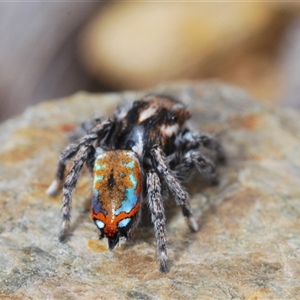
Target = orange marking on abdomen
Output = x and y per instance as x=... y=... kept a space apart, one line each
x=111 y=221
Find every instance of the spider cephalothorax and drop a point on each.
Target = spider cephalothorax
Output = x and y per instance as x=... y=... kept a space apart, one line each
x=144 y=150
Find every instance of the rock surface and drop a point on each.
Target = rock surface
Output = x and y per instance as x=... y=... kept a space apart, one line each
x=248 y=246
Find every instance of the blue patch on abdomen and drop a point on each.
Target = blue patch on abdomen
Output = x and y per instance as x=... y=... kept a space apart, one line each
x=131 y=198
x=97 y=205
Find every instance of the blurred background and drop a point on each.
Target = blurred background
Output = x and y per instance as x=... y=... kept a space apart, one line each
x=53 y=49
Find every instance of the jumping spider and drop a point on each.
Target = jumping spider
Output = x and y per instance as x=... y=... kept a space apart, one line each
x=143 y=151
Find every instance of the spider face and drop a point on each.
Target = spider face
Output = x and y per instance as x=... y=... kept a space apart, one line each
x=117 y=190
x=145 y=144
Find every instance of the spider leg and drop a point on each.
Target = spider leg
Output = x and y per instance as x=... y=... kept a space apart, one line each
x=158 y=218
x=83 y=129
x=194 y=139
x=97 y=132
x=90 y=162
x=69 y=186
x=160 y=163
x=195 y=159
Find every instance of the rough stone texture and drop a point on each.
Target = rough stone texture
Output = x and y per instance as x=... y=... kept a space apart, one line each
x=248 y=246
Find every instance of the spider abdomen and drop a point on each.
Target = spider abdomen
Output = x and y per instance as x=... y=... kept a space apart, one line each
x=117 y=193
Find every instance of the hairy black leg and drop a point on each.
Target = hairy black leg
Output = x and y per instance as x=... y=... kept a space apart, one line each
x=69 y=186
x=160 y=163
x=195 y=159
x=91 y=159
x=83 y=129
x=194 y=139
x=98 y=132
x=156 y=208
x=210 y=143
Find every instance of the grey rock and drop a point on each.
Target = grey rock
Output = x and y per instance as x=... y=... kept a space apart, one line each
x=248 y=246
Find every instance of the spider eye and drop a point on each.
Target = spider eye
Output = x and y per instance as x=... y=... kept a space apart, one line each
x=172 y=117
